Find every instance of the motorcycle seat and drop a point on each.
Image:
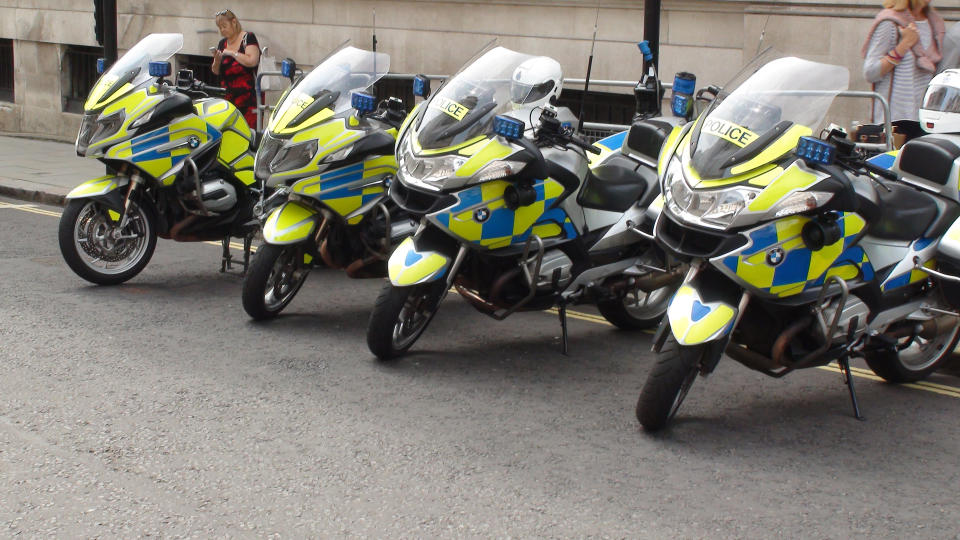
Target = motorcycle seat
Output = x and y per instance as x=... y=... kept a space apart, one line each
x=646 y=138
x=930 y=157
x=615 y=185
x=902 y=213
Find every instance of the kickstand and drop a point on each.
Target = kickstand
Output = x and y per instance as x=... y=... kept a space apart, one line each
x=844 y=363
x=247 y=242
x=562 y=311
x=226 y=259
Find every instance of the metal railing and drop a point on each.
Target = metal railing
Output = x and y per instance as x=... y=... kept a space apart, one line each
x=598 y=130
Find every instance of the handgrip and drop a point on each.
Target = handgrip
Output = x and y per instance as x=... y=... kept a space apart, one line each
x=880 y=171
x=584 y=144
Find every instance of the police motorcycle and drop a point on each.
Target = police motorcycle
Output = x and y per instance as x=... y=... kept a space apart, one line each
x=179 y=166
x=511 y=216
x=328 y=154
x=802 y=251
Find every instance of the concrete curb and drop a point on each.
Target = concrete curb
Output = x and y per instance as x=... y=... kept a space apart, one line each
x=33 y=195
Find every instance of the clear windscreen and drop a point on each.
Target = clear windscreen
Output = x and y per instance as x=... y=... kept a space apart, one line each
x=465 y=105
x=339 y=75
x=771 y=95
x=133 y=67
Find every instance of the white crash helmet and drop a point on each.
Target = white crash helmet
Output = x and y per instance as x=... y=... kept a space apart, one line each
x=535 y=81
x=940 y=111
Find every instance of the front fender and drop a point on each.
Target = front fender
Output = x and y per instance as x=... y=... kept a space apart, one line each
x=290 y=223
x=694 y=322
x=408 y=266
x=98 y=186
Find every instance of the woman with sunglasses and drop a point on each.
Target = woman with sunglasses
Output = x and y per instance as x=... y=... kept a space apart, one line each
x=235 y=60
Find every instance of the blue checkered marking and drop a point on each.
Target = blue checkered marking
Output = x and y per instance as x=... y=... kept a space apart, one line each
x=699 y=311
x=883 y=160
x=412 y=258
x=612 y=142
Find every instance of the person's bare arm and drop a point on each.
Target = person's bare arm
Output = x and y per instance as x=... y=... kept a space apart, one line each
x=217 y=58
x=249 y=58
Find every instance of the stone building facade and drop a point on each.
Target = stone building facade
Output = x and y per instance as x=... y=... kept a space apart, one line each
x=710 y=38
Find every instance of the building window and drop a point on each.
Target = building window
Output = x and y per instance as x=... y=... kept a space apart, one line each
x=200 y=65
x=6 y=70
x=80 y=74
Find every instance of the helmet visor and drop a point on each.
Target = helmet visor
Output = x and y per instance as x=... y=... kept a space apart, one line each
x=942 y=98
x=526 y=93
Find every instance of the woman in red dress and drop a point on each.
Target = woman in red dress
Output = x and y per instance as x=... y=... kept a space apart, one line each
x=235 y=61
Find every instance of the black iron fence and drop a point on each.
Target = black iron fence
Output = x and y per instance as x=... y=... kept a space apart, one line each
x=200 y=65
x=80 y=74
x=6 y=70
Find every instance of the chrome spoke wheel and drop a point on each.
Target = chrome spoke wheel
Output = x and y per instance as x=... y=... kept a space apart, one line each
x=106 y=247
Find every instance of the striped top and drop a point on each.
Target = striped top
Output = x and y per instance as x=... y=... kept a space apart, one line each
x=909 y=81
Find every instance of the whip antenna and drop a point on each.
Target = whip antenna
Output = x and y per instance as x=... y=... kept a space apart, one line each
x=586 y=84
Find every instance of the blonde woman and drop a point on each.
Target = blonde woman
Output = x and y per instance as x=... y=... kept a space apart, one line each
x=235 y=60
x=901 y=55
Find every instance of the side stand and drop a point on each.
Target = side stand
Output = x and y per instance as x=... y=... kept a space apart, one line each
x=844 y=362
x=562 y=311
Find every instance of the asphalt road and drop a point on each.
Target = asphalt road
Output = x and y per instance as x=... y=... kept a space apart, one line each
x=157 y=408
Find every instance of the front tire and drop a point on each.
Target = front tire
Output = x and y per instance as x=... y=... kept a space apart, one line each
x=98 y=250
x=400 y=315
x=276 y=275
x=637 y=310
x=916 y=361
x=668 y=383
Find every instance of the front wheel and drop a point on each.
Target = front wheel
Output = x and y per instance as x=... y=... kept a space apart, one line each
x=668 y=383
x=637 y=310
x=100 y=251
x=400 y=316
x=913 y=359
x=275 y=276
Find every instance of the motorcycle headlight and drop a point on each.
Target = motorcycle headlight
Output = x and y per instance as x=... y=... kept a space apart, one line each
x=338 y=155
x=426 y=172
x=496 y=170
x=142 y=120
x=265 y=154
x=293 y=156
x=87 y=126
x=713 y=208
x=801 y=201
x=107 y=126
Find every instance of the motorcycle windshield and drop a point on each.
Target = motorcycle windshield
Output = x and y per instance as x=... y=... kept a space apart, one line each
x=466 y=104
x=132 y=68
x=329 y=86
x=768 y=99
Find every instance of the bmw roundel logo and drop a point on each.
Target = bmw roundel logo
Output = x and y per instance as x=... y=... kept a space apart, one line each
x=775 y=256
x=193 y=141
x=481 y=214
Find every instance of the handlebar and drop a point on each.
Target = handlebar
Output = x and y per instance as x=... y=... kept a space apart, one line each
x=879 y=171
x=211 y=90
x=577 y=141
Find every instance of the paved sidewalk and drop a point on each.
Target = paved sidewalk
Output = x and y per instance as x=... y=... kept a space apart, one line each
x=42 y=171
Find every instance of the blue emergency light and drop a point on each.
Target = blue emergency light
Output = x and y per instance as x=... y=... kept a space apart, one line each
x=159 y=69
x=681 y=105
x=101 y=65
x=363 y=103
x=644 y=47
x=509 y=128
x=817 y=151
x=421 y=86
x=288 y=68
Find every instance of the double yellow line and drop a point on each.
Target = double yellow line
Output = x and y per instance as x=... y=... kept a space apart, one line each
x=926 y=386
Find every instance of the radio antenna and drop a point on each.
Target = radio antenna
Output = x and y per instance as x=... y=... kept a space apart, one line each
x=586 y=84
